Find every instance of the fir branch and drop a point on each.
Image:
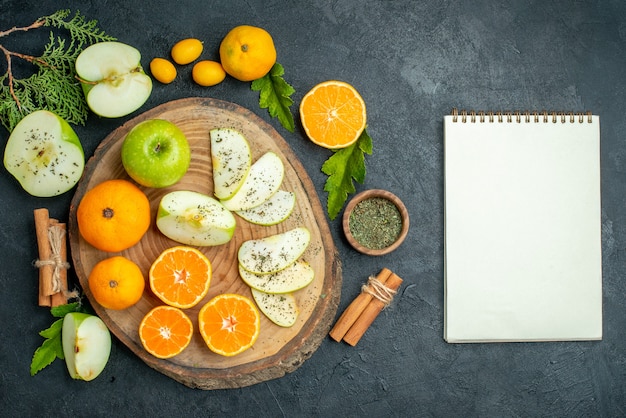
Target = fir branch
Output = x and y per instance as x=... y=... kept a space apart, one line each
x=82 y=32
x=53 y=86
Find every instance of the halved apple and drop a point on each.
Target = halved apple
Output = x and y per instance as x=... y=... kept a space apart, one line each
x=293 y=277
x=44 y=154
x=281 y=309
x=112 y=78
x=231 y=158
x=194 y=218
x=263 y=180
x=86 y=342
x=271 y=212
x=275 y=252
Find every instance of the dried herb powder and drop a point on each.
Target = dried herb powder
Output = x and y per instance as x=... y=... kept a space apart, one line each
x=375 y=223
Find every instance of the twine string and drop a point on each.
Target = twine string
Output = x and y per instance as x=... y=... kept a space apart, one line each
x=378 y=290
x=55 y=237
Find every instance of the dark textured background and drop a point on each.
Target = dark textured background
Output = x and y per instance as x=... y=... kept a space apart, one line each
x=412 y=61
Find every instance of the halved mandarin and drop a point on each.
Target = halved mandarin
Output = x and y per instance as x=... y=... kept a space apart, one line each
x=229 y=324
x=165 y=331
x=181 y=276
x=333 y=114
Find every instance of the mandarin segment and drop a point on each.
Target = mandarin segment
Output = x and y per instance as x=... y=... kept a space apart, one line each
x=165 y=331
x=333 y=114
x=229 y=324
x=181 y=276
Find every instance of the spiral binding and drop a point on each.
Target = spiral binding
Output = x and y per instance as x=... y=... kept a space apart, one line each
x=518 y=116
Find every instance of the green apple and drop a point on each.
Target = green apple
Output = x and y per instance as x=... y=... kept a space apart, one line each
x=194 y=218
x=275 y=252
x=263 y=180
x=281 y=309
x=231 y=158
x=293 y=277
x=86 y=345
x=155 y=153
x=112 y=78
x=271 y=212
x=44 y=154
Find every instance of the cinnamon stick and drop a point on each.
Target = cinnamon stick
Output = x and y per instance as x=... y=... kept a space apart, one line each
x=42 y=219
x=52 y=262
x=60 y=297
x=370 y=313
x=355 y=309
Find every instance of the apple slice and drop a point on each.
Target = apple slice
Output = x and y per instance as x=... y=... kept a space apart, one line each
x=271 y=212
x=293 y=277
x=275 y=252
x=194 y=218
x=86 y=342
x=281 y=309
x=44 y=154
x=231 y=158
x=263 y=180
x=113 y=80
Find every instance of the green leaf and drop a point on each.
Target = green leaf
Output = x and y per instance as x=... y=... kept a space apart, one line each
x=52 y=347
x=344 y=166
x=61 y=310
x=50 y=350
x=54 y=330
x=275 y=95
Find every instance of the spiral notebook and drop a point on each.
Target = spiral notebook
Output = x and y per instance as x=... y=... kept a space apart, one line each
x=522 y=227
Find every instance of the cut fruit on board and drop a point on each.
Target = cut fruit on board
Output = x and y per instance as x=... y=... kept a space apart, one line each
x=278 y=350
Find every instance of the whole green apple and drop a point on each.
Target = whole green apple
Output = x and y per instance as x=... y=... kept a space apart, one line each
x=155 y=153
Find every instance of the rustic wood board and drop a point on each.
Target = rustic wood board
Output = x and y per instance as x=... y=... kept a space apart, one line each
x=278 y=350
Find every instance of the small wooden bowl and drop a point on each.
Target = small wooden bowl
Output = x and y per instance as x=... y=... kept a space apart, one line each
x=367 y=194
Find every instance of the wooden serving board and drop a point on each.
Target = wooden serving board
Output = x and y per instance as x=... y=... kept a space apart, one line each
x=278 y=350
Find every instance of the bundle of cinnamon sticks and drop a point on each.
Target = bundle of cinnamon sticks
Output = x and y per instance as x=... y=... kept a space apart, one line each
x=52 y=262
x=364 y=309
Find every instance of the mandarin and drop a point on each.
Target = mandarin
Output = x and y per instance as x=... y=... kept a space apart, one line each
x=165 y=331
x=116 y=282
x=247 y=52
x=181 y=276
x=333 y=114
x=114 y=215
x=229 y=324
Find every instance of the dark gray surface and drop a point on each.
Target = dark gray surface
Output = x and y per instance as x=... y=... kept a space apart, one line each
x=412 y=62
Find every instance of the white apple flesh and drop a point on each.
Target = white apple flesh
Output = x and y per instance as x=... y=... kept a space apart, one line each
x=113 y=80
x=273 y=211
x=194 y=218
x=294 y=277
x=86 y=345
x=44 y=154
x=263 y=180
x=275 y=252
x=281 y=309
x=155 y=153
x=231 y=158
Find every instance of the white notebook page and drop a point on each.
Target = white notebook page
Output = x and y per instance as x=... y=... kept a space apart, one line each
x=522 y=231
